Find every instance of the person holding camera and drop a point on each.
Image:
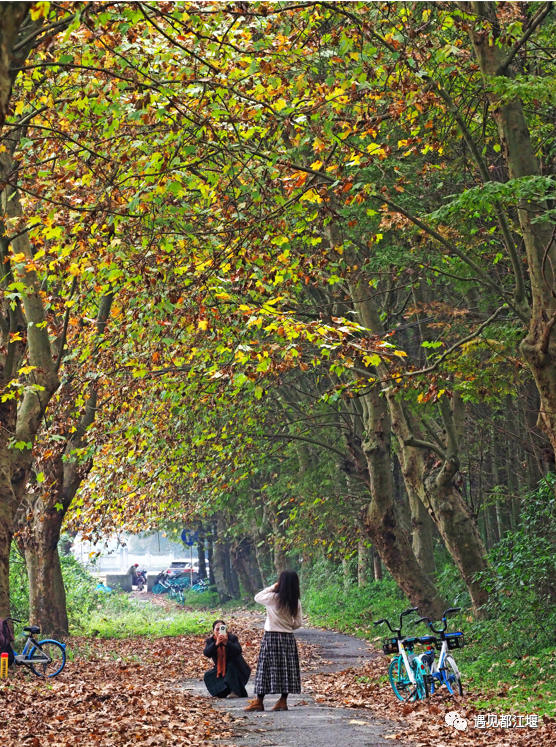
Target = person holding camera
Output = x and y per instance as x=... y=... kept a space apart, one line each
x=230 y=674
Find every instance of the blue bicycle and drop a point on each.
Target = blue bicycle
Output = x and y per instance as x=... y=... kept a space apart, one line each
x=444 y=671
x=406 y=672
x=44 y=658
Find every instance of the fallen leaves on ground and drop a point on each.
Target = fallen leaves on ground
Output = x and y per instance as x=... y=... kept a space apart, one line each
x=122 y=692
x=423 y=723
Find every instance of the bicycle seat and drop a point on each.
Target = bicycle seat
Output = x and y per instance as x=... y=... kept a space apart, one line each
x=32 y=629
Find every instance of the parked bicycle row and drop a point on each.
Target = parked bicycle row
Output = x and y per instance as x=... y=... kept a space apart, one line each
x=415 y=676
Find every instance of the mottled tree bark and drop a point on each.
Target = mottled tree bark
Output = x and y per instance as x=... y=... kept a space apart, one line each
x=381 y=519
x=41 y=514
x=19 y=421
x=435 y=487
x=377 y=566
x=362 y=562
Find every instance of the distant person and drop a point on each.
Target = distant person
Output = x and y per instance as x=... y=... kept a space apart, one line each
x=133 y=572
x=278 y=666
x=230 y=674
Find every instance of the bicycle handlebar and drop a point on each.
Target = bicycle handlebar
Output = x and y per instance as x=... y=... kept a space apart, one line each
x=430 y=624
x=13 y=619
x=381 y=622
x=398 y=631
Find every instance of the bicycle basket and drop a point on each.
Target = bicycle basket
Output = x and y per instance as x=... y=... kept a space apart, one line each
x=390 y=646
x=455 y=640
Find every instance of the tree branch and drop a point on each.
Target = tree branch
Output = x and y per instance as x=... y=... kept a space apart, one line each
x=519 y=292
x=536 y=21
x=288 y=436
x=425 y=445
x=457 y=345
x=64 y=334
x=454 y=249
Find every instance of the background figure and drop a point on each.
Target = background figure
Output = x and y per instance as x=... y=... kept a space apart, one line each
x=231 y=672
x=278 y=666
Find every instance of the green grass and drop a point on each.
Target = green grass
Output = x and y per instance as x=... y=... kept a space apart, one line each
x=122 y=617
x=209 y=600
x=349 y=609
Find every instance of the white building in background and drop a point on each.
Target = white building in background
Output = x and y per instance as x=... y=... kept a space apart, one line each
x=110 y=556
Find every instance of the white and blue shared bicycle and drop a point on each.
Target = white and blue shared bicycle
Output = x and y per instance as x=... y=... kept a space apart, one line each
x=442 y=670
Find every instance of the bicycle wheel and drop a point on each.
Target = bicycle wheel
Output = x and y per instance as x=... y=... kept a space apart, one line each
x=399 y=679
x=452 y=677
x=57 y=654
x=421 y=679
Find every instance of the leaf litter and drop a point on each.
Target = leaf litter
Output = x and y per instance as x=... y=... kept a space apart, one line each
x=124 y=691
x=421 y=724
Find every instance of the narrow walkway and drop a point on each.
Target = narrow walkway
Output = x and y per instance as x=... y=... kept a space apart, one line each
x=307 y=723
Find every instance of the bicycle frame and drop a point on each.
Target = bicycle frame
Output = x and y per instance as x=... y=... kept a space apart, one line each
x=22 y=658
x=407 y=662
x=438 y=670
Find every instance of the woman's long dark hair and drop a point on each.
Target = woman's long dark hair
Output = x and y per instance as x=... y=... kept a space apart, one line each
x=288 y=592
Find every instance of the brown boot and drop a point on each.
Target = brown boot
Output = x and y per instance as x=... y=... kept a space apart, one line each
x=281 y=705
x=255 y=705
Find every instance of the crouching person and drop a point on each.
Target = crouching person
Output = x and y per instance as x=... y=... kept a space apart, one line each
x=231 y=672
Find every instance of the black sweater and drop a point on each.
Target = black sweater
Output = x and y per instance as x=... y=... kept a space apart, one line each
x=233 y=648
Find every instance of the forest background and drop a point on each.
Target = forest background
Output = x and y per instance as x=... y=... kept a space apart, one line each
x=285 y=272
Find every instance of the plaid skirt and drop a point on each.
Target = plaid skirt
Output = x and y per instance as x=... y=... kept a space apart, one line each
x=278 y=665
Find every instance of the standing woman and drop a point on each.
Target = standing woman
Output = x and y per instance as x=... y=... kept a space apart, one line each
x=278 y=665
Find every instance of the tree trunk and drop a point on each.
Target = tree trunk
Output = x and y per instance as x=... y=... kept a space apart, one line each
x=41 y=514
x=220 y=563
x=210 y=556
x=387 y=534
x=201 y=552
x=421 y=530
x=280 y=560
x=539 y=346
x=233 y=578
x=377 y=566
x=12 y=15
x=244 y=561
x=437 y=492
x=362 y=562
x=47 y=595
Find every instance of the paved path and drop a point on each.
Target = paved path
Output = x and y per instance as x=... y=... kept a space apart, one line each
x=307 y=723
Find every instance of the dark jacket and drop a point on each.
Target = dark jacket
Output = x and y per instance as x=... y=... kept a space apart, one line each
x=233 y=648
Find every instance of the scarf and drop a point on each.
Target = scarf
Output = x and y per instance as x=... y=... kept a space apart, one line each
x=221 y=661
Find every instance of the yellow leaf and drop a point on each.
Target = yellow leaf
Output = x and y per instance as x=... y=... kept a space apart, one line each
x=74 y=269
x=311 y=196
x=317 y=165
x=203 y=324
x=19 y=107
x=26 y=369
x=400 y=353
